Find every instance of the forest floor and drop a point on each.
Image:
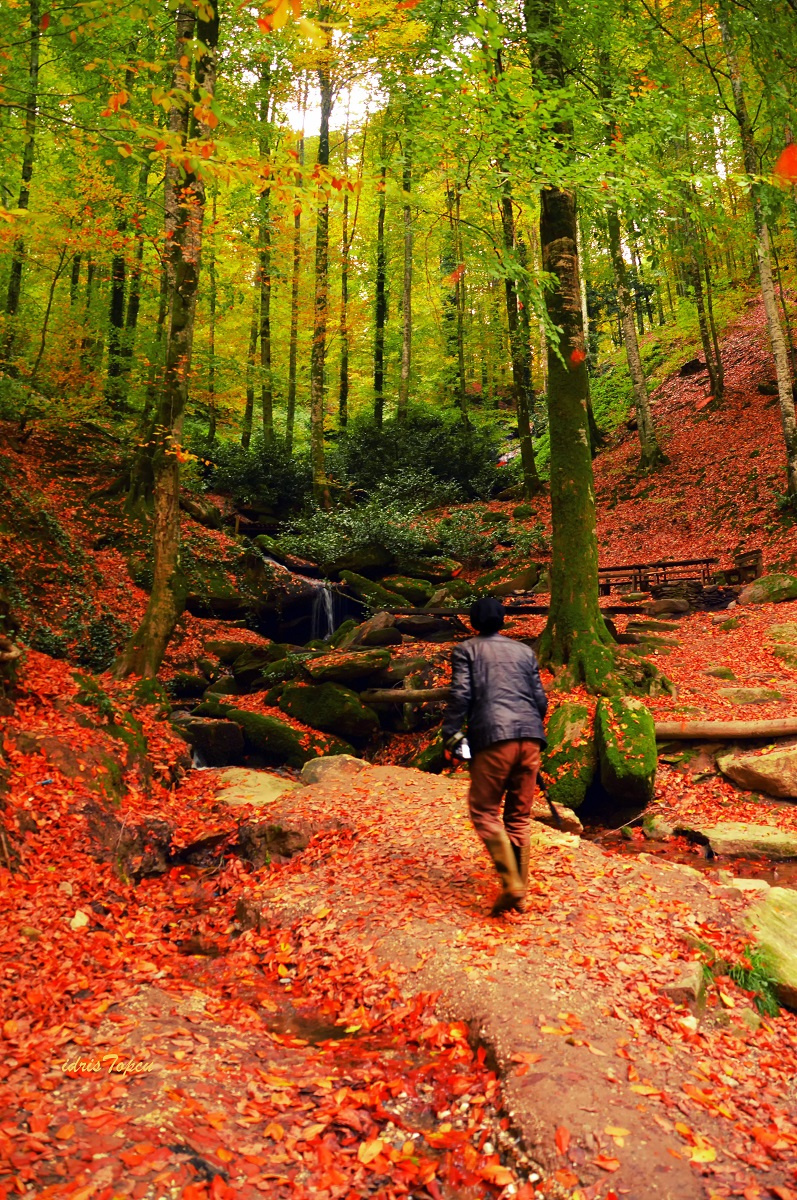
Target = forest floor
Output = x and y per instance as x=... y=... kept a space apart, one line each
x=371 y=1031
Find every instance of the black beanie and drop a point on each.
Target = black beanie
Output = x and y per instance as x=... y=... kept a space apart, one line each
x=487 y=615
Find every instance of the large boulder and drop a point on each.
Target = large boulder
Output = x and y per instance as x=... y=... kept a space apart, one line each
x=378 y=630
x=362 y=558
x=343 y=666
x=571 y=757
x=332 y=769
x=774 y=926
x=215 y=742
x=374 y=595
x=413 y=591
x=742 y=840
x=784 y=638
x=241 y=785
x=228 y=649
x=769 y=589
x=279 y=740
x=626 y=742
x=254 y=660
x=329 y=707
x=505 y=580
x=437 y=569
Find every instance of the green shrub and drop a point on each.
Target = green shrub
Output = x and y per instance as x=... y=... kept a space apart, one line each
x=266 y=475
x=326 y=537
x=464 y=537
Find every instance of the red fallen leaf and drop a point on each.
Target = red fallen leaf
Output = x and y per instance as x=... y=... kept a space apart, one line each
x=577 y=357
x=786 y=166
x=607 y=1164
x=782 y=1193
x=562 y=1139
x=565 y=1177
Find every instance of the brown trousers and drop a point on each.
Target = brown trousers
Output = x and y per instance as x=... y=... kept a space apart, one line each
x=506 y=767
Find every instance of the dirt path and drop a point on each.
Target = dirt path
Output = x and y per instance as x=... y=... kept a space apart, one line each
x=567 y=996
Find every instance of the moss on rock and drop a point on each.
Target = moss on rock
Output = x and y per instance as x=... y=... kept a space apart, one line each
x=774 y=925
x=329 y=707
x=769 y=589
x=626 y=742
x=344 y=666
x=374 y=595
x=437 y=569
x=504 y=580
x=571 y=758
x=277 y=739
x=432 y=759
x=413 y=591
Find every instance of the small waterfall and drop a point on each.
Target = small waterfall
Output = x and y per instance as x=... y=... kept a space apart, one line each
x=197 y=761
x=323 y=616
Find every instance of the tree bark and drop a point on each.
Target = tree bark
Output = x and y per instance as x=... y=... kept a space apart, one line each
x=264 y=255
x=380 y=306
x=406 y=292
x=343 y=378
x=575 y=635
x=519 y=348
x=212 y=416
x=116 y=313
x=320 y=305
x=650 y=452
x=777 y=340
x=293 y=338
x=183 y=218
x=28 y=154
x=249 y=411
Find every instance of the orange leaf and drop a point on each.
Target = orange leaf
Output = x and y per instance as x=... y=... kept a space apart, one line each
x=408 y=3
x=64 y=1133
x=495 y=1173
x=607 y=1164
x=45 y=21
x=562 y=1139
x=786 y=166
x=369 y=1150
x=577 y=357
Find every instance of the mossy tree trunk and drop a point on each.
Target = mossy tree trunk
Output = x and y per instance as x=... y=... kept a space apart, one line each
x=575 y=636
x=380 y=300
x=293 y=343
x=406 y=294
x=184 y=214
x=264 y=265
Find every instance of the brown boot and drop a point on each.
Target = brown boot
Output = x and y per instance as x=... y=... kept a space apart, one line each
x=503 y=855
x=522 y=856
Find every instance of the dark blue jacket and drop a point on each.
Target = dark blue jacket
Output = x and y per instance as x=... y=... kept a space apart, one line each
x=496 y=687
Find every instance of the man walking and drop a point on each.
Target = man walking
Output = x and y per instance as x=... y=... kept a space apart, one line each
x=496 y=688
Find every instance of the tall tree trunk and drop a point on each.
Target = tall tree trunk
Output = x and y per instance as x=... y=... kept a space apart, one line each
x=264 y=254
x=460 y=303
x=212 y=416
x=650 y=452
x=720 y=392
x=74 y=281
x=249 y=411
x=380 y=306
x=519 y=348
x=293 y=337
x=62 y=260
x=134 y=291
x=320 y=305
x=751 y=166
x=406 y=291
x=702 y=321
x=28 y=154
x=184 y=212
x=575 y=634
x=343 y=378
x=116 y=313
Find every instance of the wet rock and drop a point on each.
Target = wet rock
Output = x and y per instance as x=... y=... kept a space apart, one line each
x=571 y=758
x=688 y=986
x=740 y=840
x=656 y=828
x=626 y=742
x=332 y=769
x=769 y=589
x=215 y=742
x=773 y=772
x=331 y=708
x=347 y=666
x=774 y=926
x=749 y=695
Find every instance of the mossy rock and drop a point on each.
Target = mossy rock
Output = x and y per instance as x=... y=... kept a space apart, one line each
x=432 y=759
x=437 y=569
x=731 y=623
x=331 y=708
x=362 y=558
x=225 y=685
x=785 y=639
x=344 y=666
x=626 y=742
x=504 y=580
x=571 y=757
x=184 y=684
x=276 y=739
x=523 y=512
x=749 y=695
x=228 y=649
x=270 y=546
x=769 y=589
x=279 y=672
x=413 y=591
x=720 y=672
x=342 y=632
x=254 y=660
x=774 y=926
x=374 y=595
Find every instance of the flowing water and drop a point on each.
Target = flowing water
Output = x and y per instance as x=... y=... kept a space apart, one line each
x=323 y=615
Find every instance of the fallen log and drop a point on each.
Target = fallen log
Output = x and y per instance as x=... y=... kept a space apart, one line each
x=404 y=695
x=723 y=730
